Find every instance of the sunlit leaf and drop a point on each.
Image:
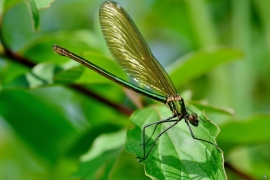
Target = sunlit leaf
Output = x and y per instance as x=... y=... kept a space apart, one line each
x=41 y=75
x=34 y=13
x=83 y=143
x=176 y=155
x=99 y=161
x=34 y=6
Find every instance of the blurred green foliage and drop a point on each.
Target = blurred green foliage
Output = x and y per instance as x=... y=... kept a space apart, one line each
x=50 y=130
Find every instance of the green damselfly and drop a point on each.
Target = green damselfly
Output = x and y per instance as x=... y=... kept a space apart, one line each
x=131 y=52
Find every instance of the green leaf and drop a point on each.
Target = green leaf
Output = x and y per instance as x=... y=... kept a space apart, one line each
x=212 y=109
x=34 y=6
x=1 y=6
x=45 y=74
x=41 y=75
x=127 y=166
x=38 y=124
x=99 y=161
x=240 y=131
x=83 y=143
x=199 y=63
x=69 y=75
x=34 y=13
x=39 y=49
x=6 y=5
x=43 y=3
x=253 y=160
x=176 y=155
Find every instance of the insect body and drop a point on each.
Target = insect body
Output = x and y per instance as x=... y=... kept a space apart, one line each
x=131 y=52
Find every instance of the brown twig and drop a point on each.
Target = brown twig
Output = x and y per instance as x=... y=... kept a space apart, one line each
x=95 y=96
x=13 y=56
x=236 y=171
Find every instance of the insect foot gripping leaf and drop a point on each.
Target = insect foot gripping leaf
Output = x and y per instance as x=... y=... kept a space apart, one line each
x=176 y=154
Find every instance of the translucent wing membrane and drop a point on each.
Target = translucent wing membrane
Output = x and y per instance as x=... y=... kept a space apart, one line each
x=130 y=50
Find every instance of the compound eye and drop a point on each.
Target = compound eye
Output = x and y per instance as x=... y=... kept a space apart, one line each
x=193 y=119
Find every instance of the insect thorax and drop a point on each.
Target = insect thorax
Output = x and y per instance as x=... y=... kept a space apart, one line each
x=174 y=102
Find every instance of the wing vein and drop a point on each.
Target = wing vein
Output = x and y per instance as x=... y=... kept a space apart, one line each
x=130 y=50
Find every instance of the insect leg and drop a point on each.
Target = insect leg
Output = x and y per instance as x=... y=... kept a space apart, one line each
x=159 y=122
x=156 y=124
x=191 y=132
